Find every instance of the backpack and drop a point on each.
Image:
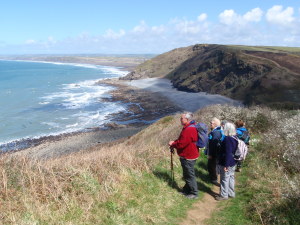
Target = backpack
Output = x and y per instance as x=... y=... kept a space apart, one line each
x=221 y=139
x=241 y=150
x=202 y=134
x=245 y=136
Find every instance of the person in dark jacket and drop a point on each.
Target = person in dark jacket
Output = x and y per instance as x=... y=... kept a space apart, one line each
x=214 y=144
x=188 y=153
x=227 y=163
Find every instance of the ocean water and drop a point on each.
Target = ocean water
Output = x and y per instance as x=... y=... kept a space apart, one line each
x=41 y=99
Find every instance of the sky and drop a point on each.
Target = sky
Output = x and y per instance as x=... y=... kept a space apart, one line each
x=143 y=27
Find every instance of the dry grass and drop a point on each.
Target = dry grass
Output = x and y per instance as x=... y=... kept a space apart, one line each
x=99 y=186
x=74 y=185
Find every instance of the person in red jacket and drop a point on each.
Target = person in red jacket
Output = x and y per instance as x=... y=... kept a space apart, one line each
x=188 y=153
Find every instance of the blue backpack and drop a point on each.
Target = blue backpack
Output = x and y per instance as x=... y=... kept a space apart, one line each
x=202 y=134
x=244 y=135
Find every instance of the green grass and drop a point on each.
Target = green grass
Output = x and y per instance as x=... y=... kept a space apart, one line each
x=234 y=211
x=154 y=197
x=274 y=49
x=131 y=183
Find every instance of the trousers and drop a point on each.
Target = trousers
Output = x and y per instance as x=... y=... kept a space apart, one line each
x=227 y=182
x=212 y=168
x=189 y=176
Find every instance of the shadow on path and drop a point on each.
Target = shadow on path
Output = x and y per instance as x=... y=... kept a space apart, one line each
x=166 y=176
x=203 y=184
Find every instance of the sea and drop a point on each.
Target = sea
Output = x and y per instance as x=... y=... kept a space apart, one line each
x=41 y=99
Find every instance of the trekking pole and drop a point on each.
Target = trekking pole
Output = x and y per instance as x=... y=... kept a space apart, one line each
x=172 y=167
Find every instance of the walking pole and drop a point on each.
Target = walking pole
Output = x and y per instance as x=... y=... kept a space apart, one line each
x=172 y=167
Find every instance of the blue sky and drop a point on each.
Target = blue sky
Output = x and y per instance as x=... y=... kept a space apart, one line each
x=132 y=26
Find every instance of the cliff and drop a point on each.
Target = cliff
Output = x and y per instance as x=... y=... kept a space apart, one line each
x=254 y=75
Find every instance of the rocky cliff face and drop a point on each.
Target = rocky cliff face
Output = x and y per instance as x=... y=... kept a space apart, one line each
x=260 y=76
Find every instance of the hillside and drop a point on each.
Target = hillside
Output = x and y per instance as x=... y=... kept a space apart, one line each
x=254 y=75
x=129 y=181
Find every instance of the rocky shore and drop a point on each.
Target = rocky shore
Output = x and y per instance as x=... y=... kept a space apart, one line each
x=143 y=108
x=147 y=100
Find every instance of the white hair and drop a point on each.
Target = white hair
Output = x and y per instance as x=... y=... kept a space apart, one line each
x=229 y=129
x=216 y=121
x=188 y=115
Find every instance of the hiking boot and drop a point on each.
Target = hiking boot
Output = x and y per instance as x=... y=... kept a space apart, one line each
x=191 y=196
x=220 y=198
x=182 y=193
x=215 y=182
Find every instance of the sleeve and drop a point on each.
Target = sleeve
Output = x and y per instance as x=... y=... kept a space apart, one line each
x=187 y=136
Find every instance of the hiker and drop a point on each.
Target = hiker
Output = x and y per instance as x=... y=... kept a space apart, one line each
x=243 y=134
x=227 y=163
x=214 y=144
x=223 y=124
x=188 y=153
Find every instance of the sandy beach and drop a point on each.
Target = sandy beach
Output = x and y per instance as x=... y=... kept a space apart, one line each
x=187 y=101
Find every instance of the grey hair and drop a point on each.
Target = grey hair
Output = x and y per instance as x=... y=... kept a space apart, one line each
x=188 y=115
x=217 y=121
x=229 y=129
x=224 y=122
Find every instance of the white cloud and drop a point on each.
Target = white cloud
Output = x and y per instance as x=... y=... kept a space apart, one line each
x=142 y=27
x=110 y=34
x=254 y=15
x=232 y=28
x=51 y=40
x=158 y=29
x=279 y=16
x=30 y=42
x=228 y=17
x=187 y=27
x=202 y=17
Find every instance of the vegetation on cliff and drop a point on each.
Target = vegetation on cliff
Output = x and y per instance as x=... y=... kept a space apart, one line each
x=254 y=75
x=121 y=182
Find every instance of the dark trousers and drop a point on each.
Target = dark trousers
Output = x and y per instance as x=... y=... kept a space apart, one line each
x=239 y=164
x=189 y=177
x=212 y=168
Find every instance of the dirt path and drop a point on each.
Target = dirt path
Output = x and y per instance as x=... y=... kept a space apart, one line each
x=202 y=209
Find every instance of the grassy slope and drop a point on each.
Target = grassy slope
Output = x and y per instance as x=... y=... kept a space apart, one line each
x=129 y=182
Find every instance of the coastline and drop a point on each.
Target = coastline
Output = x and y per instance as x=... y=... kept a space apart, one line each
x=144 y=108
x=147 y=100
x=124 y=63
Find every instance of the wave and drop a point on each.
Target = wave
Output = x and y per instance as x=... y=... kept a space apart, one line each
x=78 y=95
x=85 y=122
x=64 y=108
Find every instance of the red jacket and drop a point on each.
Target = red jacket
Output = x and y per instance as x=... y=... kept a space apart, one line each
x=186 y=143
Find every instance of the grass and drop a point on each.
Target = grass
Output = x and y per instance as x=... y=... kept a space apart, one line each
x=127 y=183
x=130 y=182
x=275 y=49
x=234 y=211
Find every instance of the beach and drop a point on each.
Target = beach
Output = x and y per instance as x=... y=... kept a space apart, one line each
x=147 y=99
x=143 y=108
